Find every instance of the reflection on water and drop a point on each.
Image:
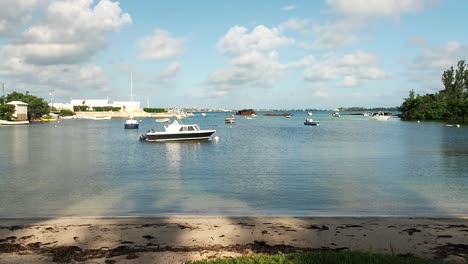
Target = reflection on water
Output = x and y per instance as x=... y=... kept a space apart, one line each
x=262 y=166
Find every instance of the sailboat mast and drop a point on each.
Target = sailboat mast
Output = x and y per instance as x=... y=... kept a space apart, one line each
x=131 y=86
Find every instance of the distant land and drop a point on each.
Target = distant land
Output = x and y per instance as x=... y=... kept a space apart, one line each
x=357 y=108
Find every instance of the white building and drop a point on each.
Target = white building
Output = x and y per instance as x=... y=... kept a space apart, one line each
x=127 y=106
x=21 y=110
x=61 y=106
x=134 y=106
x=91 y=102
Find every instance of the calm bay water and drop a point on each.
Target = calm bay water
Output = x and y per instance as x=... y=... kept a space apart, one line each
x=263 y=166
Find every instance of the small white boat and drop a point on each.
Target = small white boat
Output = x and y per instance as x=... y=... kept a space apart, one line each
x=336 y=114
x=177 y=131
x=8 y=123
x=229 y=120
x=380 y=116
x=203 y=114
x=309 y=113
x=311 y=122
x=131 y=123
x=68 y=117
x=162 y=120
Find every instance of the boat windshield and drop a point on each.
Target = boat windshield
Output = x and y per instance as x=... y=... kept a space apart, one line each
x=188 y=128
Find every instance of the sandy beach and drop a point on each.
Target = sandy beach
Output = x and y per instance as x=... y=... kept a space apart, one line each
x=180 y=239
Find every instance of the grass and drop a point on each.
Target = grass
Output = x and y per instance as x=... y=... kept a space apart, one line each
x=322 y=257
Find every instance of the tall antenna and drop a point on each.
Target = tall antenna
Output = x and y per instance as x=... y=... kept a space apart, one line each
x=131 y=87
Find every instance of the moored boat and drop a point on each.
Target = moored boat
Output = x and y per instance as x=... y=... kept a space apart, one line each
x=380 y=116
x=177 y=131
x=311 y=122
x=336 y=114
x=7 y=123
x=162 y=120
x=48 y=119
x=131 y=123
x=229 y=120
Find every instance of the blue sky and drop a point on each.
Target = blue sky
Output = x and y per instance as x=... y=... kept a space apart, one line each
x=231 y=54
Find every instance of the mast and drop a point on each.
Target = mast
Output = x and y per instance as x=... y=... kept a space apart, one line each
x=131 y=86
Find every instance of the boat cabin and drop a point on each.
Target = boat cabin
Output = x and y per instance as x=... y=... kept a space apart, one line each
x=177 y=126
x=189 y=128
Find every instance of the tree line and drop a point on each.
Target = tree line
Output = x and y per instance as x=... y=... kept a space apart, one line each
x=37 y=107
x=451 y=103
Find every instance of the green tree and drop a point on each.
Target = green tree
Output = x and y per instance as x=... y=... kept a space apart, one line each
x=456 y=85
x=6 y=111
x=449 y=104
x=37 y=107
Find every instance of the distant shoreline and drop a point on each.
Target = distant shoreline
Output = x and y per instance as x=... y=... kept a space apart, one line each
x=180 y=239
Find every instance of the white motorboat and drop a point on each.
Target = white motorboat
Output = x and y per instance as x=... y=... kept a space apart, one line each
x=229 y=120
x=380 y=116
x=311 y=122
x=336 y=114
x=178 y=131
x=162 y=120
x=131 y=123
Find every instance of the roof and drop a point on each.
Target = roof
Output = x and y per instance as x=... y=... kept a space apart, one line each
x=17 y=103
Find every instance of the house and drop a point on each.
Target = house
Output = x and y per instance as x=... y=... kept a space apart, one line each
x=21 y=110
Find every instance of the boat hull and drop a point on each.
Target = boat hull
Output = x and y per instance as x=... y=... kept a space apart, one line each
x=131 y=126
x=312 y=123
x=380 y=118
x=5 y=122
x=202 y=135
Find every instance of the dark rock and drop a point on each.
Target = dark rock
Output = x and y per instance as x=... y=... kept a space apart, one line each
x=246 y=112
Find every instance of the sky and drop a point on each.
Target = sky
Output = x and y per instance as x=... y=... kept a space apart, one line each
x=231 y=54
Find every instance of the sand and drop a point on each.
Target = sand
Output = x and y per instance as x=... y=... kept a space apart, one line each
x=181 y=239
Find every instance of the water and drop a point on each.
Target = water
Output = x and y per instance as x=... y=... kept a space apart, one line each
x=263 y=166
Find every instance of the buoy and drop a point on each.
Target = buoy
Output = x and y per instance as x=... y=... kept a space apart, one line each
x=458 y=125
x=216 y=138
x=419 y=121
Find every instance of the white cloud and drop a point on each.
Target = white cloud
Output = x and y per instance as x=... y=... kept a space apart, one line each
x=301 y=25
x=50 y=52
x=288 y=7
x=14 y=14
x=238 y=40
x=253 y=58
x=170 y=71
x=160 y=45
x=432 y=61
x=350 y=69
x=71 y=32
x=337 y=34
x=375 y=8
x=328 y=35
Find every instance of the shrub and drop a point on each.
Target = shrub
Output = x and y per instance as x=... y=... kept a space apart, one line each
x=154 y=110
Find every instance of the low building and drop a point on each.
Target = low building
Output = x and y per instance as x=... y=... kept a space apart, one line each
x=21 y=110
x=91 y=103
x=61 y=106
x=133 y=106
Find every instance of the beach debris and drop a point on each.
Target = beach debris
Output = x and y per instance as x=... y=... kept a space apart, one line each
x=410 y=231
